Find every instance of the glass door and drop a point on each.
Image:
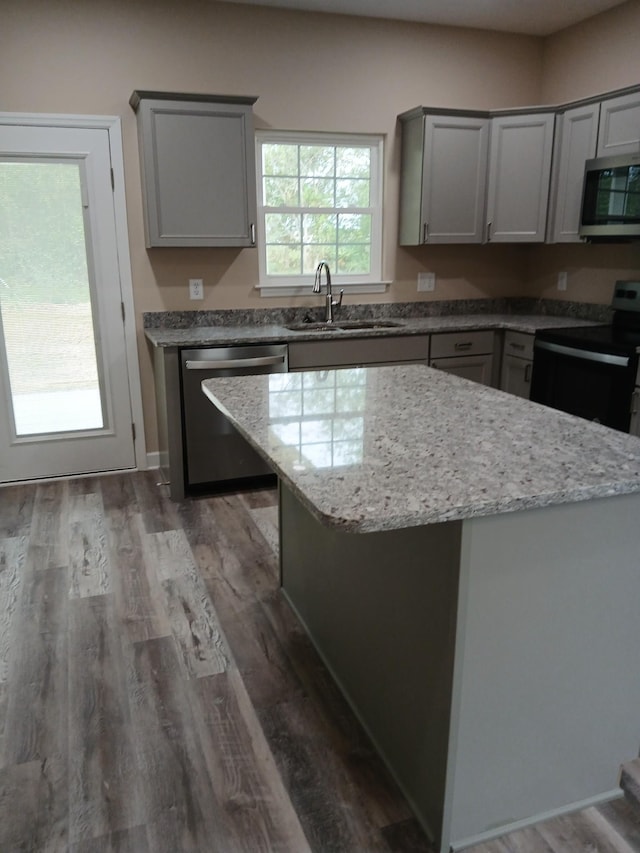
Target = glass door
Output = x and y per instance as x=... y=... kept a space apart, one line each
x=67 y=407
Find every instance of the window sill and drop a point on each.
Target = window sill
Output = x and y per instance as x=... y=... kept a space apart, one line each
x=305 y=289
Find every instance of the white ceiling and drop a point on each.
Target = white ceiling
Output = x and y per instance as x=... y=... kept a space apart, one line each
x=534 y=17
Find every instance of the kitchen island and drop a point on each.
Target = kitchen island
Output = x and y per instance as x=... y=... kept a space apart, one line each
x=466 y=564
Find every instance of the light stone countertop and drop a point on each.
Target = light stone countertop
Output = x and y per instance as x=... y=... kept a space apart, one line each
x=381 y=448
x=225 y=335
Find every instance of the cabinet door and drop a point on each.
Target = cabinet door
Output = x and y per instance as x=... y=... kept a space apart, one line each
x=442 y=178
x=454 y=182
x=198 y=168
x=308 y=355
x=478 y=368
x=516 y=376
x=519 y=174
x=576 y=142
x=619 y=126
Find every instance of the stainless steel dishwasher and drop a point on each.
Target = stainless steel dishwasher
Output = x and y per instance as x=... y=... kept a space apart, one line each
x=214 y=451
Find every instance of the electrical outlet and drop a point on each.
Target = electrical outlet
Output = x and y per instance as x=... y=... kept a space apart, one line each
x=196 y=288
x=562 y=281
x=426 y=281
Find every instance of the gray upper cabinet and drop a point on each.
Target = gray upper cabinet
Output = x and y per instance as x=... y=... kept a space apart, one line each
x=619 y=125
x=519 y=176
x=576 y=141
x=197 y=156
x=443 y=180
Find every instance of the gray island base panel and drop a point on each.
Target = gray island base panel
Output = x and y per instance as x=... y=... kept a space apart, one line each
x=469 y=574
x=493 y=661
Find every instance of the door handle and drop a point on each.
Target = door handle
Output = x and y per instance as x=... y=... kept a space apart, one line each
x=233 y=363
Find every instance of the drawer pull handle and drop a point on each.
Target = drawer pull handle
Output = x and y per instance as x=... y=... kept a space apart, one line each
x=516 y=346
x=463 y=346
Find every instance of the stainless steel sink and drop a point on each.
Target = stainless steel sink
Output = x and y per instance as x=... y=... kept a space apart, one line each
x=342 y=325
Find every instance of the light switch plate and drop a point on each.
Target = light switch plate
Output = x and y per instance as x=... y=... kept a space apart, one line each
x=426 y=281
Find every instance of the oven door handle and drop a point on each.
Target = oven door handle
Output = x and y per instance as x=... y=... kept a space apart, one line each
x=586 y=355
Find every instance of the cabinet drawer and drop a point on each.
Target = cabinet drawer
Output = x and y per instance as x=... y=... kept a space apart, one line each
x=358 y=351
x=519 y=344
x=461 y=343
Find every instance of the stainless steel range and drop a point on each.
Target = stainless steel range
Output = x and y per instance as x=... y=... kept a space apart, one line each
x=592 y=371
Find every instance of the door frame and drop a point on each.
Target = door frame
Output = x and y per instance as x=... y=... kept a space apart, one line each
x=113 y=126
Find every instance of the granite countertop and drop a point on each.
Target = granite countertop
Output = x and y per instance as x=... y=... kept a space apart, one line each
x=383 y=448
x=223 y=335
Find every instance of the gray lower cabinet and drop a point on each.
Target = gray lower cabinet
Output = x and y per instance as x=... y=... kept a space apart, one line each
x=197 y=157
x=634 y=425
x=358 y=352
x=517 y=364
x=465 y=354
x=443 y=177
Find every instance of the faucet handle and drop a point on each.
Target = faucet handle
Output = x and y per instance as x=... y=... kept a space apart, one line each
x=337 y=303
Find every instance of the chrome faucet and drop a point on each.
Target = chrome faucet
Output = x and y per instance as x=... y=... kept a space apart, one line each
x=317 y=288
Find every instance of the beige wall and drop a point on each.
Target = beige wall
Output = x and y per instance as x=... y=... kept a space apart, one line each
x=310 y=72
x=597 y=55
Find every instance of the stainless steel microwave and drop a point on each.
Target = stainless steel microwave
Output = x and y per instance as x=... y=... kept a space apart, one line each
x=611 y=199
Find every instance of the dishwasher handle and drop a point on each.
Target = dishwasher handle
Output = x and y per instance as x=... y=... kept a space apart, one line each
x=235 y=363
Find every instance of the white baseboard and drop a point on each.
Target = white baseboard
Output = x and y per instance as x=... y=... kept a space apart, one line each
x=483 y=837
x=153 y=460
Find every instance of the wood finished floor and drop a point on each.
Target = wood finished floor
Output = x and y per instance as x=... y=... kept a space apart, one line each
x=156 y=693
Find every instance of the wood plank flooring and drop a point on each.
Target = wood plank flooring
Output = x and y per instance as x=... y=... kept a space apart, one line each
x=157 y=694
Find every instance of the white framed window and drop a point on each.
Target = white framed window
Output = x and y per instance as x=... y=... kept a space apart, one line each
x=319 y=199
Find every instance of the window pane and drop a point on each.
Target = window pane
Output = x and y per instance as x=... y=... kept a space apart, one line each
x=354 y=228
x=353 y=162
x=352 y=193
x=283 y=260
x=320 y=180
x=314 y=254
x=45 y=299
x=281 y=192
x=317 y=161
x=279 y=159
x=350 y=399
x=317 y=192
x=285 y=404
x=317 y=402
x=282 y=228
x=352 y=376
x=287 y=433
x=354 y=259
x=347 y=453
x=320 y=228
